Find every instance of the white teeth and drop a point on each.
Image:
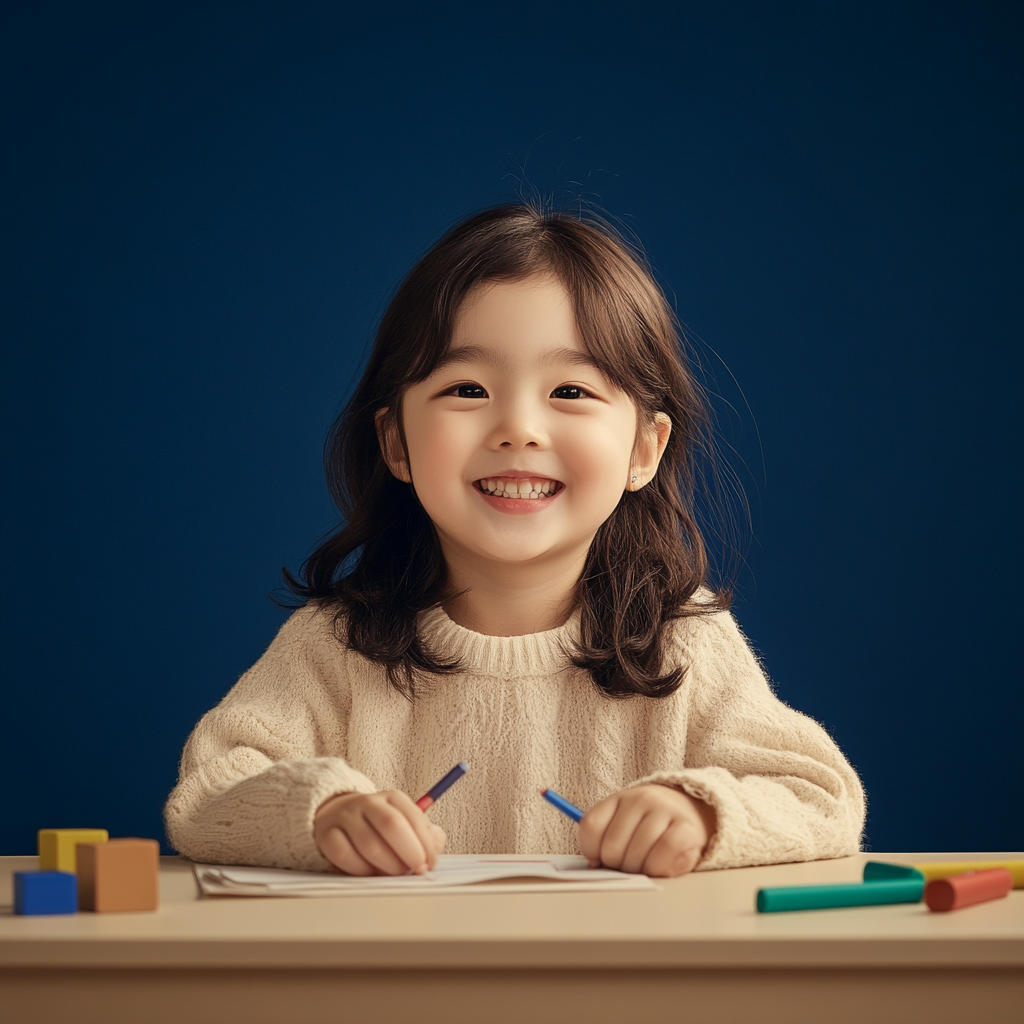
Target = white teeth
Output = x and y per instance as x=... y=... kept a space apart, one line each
x=518 y=488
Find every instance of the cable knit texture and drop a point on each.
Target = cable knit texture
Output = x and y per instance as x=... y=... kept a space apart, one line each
x=312 y=719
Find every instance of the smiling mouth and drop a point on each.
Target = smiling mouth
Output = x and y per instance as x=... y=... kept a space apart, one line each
x=533 y=488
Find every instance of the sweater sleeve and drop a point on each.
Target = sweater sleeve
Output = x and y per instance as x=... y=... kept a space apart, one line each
x=780 y=786
x=257 y=766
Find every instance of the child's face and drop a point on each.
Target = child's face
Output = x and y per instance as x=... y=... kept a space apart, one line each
x=519 y=400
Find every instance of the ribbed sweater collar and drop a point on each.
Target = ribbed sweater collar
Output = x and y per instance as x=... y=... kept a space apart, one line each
x=535 y=654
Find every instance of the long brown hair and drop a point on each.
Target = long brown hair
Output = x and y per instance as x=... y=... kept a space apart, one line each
x=384 y=565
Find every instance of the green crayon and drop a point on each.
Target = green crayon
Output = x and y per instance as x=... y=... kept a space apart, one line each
x=847 y=894
x=877 y=871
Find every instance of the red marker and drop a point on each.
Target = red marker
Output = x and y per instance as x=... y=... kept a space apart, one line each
x=965 y=890
x=432 y=794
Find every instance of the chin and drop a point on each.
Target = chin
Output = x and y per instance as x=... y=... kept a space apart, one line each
x=510 y=555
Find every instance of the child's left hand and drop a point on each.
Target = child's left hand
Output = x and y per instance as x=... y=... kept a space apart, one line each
x=650 y=829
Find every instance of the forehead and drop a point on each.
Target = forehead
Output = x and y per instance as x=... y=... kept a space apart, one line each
x=536 y=307
x=502 y=321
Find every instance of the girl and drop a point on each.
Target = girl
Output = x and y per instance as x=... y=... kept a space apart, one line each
x=519 y=583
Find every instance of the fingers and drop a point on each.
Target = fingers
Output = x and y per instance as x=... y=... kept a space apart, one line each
x=406 y=830
x=593 y=826
x=674 y=853
x=649 y=832
x=377 y=833
x=384 y=837
x=336 y=847
x=633 y=830
x=649 y=828
x=438 y=837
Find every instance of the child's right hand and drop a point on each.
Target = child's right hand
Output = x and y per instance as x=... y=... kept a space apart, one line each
x=377 y=834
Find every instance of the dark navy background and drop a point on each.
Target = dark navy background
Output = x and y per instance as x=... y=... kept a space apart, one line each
x=206 y=206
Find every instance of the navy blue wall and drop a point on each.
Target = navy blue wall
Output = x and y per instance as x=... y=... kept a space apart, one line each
x=207 y=205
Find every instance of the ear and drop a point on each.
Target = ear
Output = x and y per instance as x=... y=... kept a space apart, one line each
x=391 y=446
x=651 y=440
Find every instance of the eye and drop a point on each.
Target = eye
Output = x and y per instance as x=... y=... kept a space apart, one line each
x=468 y=391
x=570 y=391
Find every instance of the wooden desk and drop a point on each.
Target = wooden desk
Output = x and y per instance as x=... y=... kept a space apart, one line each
x=694 y=951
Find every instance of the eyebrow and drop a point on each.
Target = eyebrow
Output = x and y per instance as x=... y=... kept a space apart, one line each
x=477 y=353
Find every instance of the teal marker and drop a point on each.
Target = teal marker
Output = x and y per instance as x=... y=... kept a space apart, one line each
x=849 y=894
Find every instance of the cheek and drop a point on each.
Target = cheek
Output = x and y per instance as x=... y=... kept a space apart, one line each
x=599 y=456
x=436 y=453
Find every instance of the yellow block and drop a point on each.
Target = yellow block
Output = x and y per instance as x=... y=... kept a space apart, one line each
x=948 y=868
x=57 y=846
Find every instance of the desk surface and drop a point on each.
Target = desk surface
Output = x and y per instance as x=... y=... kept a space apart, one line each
x=702 y=920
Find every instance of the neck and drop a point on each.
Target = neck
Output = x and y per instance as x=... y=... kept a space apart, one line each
x=515 y=599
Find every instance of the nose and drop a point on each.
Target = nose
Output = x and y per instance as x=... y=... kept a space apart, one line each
x=519 y=427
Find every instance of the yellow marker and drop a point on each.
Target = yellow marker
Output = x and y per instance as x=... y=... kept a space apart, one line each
x=57 y=846
x=948 y=868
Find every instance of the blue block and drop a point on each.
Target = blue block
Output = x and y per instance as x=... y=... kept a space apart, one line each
x=45 y=892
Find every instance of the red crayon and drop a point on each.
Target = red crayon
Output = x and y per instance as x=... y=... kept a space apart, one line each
x=965 y=890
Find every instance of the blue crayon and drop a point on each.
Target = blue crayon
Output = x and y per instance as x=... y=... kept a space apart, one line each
x=562 y=804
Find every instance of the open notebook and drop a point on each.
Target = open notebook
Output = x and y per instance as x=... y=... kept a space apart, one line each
x=455 y=873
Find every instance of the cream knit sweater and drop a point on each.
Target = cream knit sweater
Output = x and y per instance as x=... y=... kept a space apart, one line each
x=312 y=719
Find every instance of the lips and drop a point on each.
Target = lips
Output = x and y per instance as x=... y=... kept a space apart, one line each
x=530 y=488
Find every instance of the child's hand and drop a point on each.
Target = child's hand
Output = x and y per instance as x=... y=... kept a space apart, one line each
x=650 y=829
x=376 y=834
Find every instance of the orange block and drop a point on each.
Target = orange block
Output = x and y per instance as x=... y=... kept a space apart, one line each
x=118 y=875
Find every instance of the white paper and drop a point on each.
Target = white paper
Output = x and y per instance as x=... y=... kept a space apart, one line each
x=455 y=873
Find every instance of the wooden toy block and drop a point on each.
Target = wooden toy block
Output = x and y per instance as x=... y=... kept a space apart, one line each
x=57 y=846
x=118 y=875
x=45 y=892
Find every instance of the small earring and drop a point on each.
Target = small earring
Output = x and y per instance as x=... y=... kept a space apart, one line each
x=632 y=479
